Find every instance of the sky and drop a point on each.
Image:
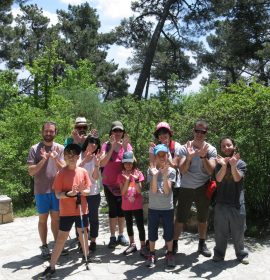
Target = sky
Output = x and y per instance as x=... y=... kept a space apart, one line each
x=110 y=13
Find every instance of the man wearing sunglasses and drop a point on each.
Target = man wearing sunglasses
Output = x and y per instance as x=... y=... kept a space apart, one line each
x=197 y=163
x=79 y=133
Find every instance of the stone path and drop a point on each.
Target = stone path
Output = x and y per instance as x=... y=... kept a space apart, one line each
x=19 y=258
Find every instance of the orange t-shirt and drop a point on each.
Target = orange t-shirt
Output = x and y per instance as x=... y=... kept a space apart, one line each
x=63 y=182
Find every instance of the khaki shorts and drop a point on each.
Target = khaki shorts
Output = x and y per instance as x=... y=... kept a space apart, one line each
x=186 y=197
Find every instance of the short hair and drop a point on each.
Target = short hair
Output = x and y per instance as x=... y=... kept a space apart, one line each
x=49 y=123
x=74 y=149
x=202 y=122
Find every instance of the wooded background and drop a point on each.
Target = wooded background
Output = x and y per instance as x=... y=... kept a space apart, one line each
x=172 y=41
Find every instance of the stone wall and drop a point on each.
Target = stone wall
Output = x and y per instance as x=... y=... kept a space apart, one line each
x=6 y=210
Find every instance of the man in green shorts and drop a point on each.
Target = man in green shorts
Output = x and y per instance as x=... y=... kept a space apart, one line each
x=197 y=163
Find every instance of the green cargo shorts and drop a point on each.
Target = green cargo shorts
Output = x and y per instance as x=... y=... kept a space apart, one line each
x=186 y=197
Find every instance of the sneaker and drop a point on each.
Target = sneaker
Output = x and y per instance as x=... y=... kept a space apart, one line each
x=130 y=249
x=175 y=246
x=170 y=260
x=151 y=260
x=47 y=274
x=112 y=244
x=144 y=252
x=64 y=252
x=122 y=240
x=202 y=249
x=244 y=260
x=45 y=252
x=92 y=246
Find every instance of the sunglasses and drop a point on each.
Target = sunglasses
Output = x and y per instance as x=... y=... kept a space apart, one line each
x=117 y=130
x=81 y=127
x=200 y=131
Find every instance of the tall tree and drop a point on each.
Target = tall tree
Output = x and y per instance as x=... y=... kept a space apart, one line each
x=239 y=48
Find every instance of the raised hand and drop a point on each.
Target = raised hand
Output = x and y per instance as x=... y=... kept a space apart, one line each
x=153 y=171
x=113 y=141
x=126 y=174
x=220 y=160
x=54 y=153
x=233 y=160
x=97 y=157
x=125 y=141
x=190 y=150
x=203 y=151
x=44 y=154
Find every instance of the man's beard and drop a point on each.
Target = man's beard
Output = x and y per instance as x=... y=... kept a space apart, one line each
x=48 y=138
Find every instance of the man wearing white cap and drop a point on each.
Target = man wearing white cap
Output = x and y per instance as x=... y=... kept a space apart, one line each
x=79 y=133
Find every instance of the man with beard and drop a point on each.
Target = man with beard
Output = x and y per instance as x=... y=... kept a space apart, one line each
x=79 y=133
x=44 y=160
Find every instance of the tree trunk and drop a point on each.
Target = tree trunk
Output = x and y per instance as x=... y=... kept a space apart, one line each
x=150 y=53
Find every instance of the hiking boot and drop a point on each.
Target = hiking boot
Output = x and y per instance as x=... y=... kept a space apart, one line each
x=151 y=260
x=244 y=260
x=64 y=252
x=202 y=249
x=130 y=249
x=48 y=273
x=112 y=244
x=92 y=246
x=122 y=240
x=175 y=247
x=144 y=252
x=170 y=260
x=45 y=252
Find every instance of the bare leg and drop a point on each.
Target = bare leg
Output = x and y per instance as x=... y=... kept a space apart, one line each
x=152 y=246
x=58 y=247
x=202 y=229
x=54 y=223
x=85 y=247
x=178 y=229
x=42 y=227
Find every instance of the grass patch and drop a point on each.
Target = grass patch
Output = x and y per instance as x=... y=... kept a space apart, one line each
x=25 y=212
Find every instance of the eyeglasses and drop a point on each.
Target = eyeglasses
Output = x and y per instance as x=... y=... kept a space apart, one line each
x=81 y=127
x=200 y=131
x=117 y=130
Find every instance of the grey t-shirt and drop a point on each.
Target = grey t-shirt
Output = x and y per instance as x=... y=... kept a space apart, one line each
x=160 y=200
x=43 y=180
x=230 y=192
x=196 y=176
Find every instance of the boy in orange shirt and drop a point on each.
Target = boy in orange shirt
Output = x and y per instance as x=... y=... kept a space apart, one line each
x=70 y=181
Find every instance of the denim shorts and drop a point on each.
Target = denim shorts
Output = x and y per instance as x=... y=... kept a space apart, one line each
x=46 y=202
x=66 y=222
x=166 y=217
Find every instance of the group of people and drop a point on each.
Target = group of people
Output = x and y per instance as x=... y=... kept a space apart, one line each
x=178 y=175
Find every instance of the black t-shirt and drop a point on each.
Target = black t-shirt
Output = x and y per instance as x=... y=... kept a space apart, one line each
x=228 y=191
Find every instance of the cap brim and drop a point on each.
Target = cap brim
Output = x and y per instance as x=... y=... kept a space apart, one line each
x=118 y=127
